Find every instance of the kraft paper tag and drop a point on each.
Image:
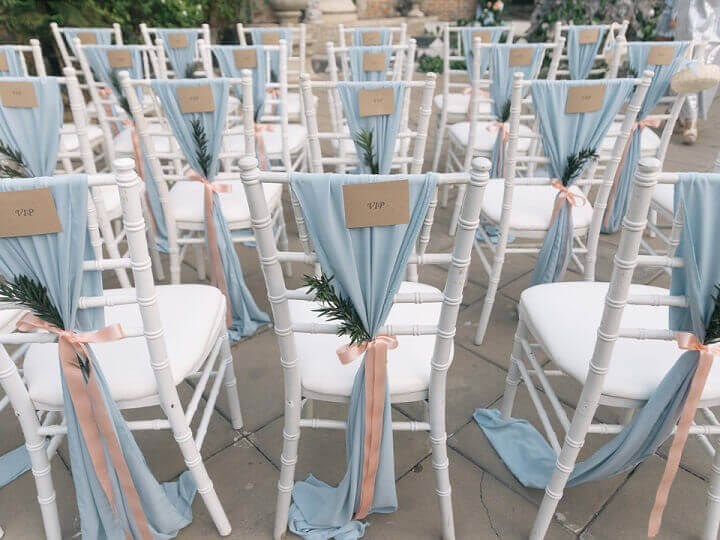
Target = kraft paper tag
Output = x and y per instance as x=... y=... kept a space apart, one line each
x=589 y=35
x=520 y=57
x=484 y=35
x=177 y=41
x=23 y=213
x=376 y=101
x=660 y=55
x=370 y=38
x=377 y=204
x=87 y=38
x=270 y=38
x=4 y=62
x=195 y=99
x=18 y=94
x=245 y=58
x=373 y=62
x=119 y=58
x=585 y=98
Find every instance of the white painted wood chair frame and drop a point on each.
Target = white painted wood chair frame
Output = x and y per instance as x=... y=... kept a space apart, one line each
x=396 y=32
x=614 y=32
x=585 y=240
x=37 y=56
x=401 y=55
x=524 y=366
x=42 y=439
x=296 y=396
x=68 y=59
x=182 y=235
x=159 y=58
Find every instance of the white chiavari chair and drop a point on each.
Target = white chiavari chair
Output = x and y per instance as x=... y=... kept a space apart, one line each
x=523 y=206
x=158 y=57
x=620 y=350
x=308 y=344
x=601 y=67
x=38 y=62
x=401 y=56
x=398 y=34
x=181 y=198
x=63 y=39
x=172 y=333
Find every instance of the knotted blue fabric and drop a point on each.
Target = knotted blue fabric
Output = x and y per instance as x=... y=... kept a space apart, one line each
x=225 y=55
x=357 y=36
x=501 y=78
x=103 y=36
x=35 y=131
x=246 y=316
x=55 y=260
x=563 y=135
x=384 y=127
x=282 y=33
x=637 y=58
x=356 y=55
x=367 y=265
x=14 y=62
x=181 y=58
x=523 y=448
x=467 y=34
x=581 y=56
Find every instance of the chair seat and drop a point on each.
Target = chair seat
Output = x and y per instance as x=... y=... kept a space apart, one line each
x=69 y=140
x=564 y=318
x=293 y=105
x=485 y=136
x=192 y=317
x=8 y=319
x=458 y=104
x=408 y=366
x=664 y=197
x=272 y=140
x=532 y=207
x=123 y=141
x=187 y=201
x=649 y=142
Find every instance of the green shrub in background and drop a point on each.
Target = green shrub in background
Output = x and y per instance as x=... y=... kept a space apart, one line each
x=430 y=64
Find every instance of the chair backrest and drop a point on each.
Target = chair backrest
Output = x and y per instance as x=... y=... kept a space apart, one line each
x=159 y=56
x=613 y=33
x=296 y=62
x=64 y=37
x=396 y=34
x=279 y=295
x=401 y=60
x=20 y=52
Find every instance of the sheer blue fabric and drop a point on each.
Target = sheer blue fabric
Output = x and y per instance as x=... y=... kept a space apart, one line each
x=357 y=36
x=55 y=260
x=35 y=131
x=637 y=59
x=523 y=448
x=14 y=62
x=181 y=58
x=228 y=67
x=582 y=55
x=103 y=36
x=283 y=33
x=467 y=41
x=565 y=134
x=384 y=127
x=356 y=54
x=246 y=316
x=368 y=265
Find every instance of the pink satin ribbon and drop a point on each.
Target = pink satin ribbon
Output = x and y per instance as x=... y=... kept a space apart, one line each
x=688 y=342
x=274 y=93
x=92 y=414
x=105 y=92
x=375 y=381
x=568 y=197
x=468 y=92
x=262 y=155
x=217 y=276
x=494 y=126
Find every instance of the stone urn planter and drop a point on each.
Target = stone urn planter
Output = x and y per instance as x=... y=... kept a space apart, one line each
x=288 y=11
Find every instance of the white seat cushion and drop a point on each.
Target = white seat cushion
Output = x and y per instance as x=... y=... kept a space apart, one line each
x=408 y=366
x=485 y=138
x=188 y=203
x=123 y=141
x=69 y=141
x=532 y=206
x=565 y=318
x=272 y=140
x=192 y=317
x=649 y=142
x=664 y=196
x=292 y=104
x=458 y=104
x=111 y=199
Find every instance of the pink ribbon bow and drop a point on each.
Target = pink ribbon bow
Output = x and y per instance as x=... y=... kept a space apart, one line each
x=505 y=129
x=468 y=92
x=262 y=155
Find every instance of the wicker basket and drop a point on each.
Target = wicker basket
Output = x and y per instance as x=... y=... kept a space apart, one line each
x=695 y=78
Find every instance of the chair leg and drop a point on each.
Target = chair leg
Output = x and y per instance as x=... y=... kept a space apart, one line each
x=440 y=462
x=652 y=219
x=493 y=283
x=712 y=517
x=174 y=255
x=284 y=239
x=513 y=378
x=458 y=207
x=440 y=138
x=288 y=459
x=231 y=384
x=199 y=252
x=112 y=248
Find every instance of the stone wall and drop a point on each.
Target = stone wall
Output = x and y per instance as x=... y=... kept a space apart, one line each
x=449 y=10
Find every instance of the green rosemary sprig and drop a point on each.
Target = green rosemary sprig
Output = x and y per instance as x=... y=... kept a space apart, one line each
x=365 y=143
x=16 y=168
x=505 y=116
x=202 y=153
x=712 y=331
x=33 y=295
x=122 y=100
x=337 y=308
x=575 y=164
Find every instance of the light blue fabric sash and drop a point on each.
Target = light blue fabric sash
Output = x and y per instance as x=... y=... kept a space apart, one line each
x=246 y=316
x=283 y=33
x=103 y=36
x=637 y=58
x=357 y=39
x=384 y=127
x=356 y=63
x=467 y=41
x=368 y=265
x=228 y=67
x=523 y=448
x=565 y=134
x=181 y=58
x=14 y=62
x=35 y=132
x=55 y=260
x=582 y=56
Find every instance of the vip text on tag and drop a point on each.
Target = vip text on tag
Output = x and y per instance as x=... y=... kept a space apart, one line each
x=195 y=99
x=376 y=204
x=177 y=41
x=583 y=99
x=18 y=94
x=373 y=62
x=28 y=212
x=119 y=58
x=245 y=58
x=589 y=35
x=520 y=57
x=376 y=101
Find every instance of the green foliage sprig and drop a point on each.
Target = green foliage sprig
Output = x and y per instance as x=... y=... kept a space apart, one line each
x=14 y=166
x=712 y=331
x=337 y=308
x=575 y=164
x=505 y=116
x=365 y=143
x=202 y=154
x=27 y=292
x=117 y=90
